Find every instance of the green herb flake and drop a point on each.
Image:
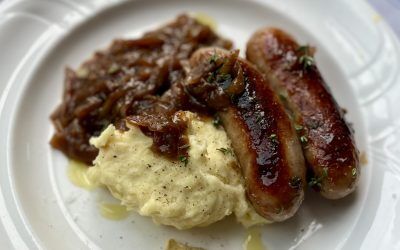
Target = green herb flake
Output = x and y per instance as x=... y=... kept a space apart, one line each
x=184 y=159
x=303 y=139
x=213 y=58
x=295 y=182
x=298 y=127
x=354 y=172
x=216 y=121
x=307 y=61
x=272 y=136
x=225 y=151
x=317 y=181
x=306 y=58
x=314 y=182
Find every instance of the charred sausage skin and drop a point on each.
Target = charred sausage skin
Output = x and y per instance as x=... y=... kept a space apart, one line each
x=327 y=139
x=262 y=135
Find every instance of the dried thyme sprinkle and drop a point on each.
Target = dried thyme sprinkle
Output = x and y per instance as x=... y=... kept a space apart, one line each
x=184 y=159
x=303 y=139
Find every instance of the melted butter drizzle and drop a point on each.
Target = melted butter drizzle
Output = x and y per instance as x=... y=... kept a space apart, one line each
x=113 y=211
x=253 y=240
x=78 y=175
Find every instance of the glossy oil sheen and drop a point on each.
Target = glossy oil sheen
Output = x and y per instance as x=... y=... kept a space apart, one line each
x=253 y=240
x=113 y=211
x=35 y=204
x=78 y=175
x=327 y=139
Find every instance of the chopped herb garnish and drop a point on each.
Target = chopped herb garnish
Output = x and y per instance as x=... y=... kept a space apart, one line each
x=184 y=159
x=317 y=181
x=295 y=182
x=213 y=58
x=303 y=139
x=298 y=127
x=306 y=58
x=354 y=172
x=148 y=165
x=217 y=121
x=314 y=182
x=306 y=61
x=273 y=138
x=225 y=151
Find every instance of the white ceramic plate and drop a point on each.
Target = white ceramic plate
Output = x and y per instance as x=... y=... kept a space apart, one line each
x=39 y=208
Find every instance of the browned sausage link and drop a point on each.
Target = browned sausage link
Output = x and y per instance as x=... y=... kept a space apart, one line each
x=327 y=140
x=262 y=135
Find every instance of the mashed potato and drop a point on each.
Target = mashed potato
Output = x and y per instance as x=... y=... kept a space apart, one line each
x=203 y=191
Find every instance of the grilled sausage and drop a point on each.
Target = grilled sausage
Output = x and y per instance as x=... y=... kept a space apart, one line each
x=262 y=135
x=327 y=140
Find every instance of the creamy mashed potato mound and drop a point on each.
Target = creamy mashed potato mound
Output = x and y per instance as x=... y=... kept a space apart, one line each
x=199 y=193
